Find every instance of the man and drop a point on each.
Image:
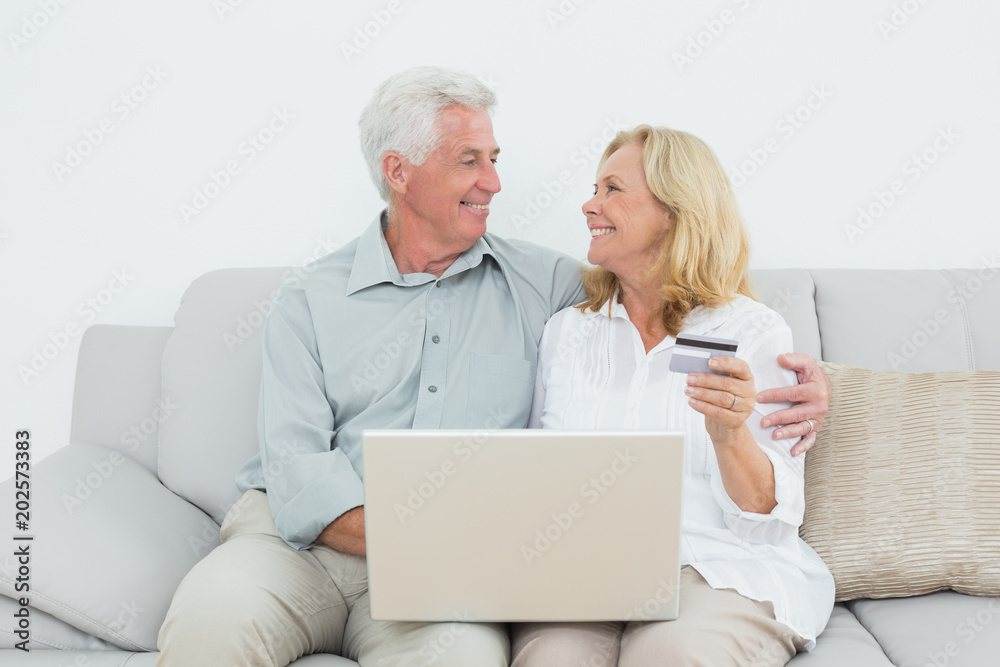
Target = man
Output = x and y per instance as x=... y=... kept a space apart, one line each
x=424 y=321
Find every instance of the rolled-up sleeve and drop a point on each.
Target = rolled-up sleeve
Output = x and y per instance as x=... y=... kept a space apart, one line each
x=310 y=482
x=782 y=523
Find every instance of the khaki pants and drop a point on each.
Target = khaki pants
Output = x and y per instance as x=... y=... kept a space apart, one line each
x=255 y=601
x=715 y=628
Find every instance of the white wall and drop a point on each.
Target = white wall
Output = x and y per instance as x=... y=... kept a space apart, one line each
x=893 y=76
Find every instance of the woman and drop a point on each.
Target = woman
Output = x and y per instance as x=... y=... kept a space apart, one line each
x=671 y=256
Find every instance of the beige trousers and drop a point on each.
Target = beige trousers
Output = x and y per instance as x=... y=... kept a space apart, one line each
x=255 y=601
x=715 y=628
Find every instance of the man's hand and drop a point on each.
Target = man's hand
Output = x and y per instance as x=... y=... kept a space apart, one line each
x=347 y=532
x=811 y=397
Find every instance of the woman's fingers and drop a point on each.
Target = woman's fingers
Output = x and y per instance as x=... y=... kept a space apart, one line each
x=726 y=399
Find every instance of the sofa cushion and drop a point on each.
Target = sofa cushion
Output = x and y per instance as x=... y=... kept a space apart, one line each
x=844 y=642
x=46 y=632
x=110 y=545
x=211 y=370
x=943 y=628
x=117 y=400
x=902 y=493
x=15 y=658
x=789 y=293
x=925 y=326
x=77 y=659
x=976 y=294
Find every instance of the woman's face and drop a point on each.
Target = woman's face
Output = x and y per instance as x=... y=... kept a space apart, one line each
x=626 y=223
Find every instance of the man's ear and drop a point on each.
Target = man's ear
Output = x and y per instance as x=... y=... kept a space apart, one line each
x=394 y=168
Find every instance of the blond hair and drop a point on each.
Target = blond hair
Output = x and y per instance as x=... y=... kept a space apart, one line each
x=705 y=256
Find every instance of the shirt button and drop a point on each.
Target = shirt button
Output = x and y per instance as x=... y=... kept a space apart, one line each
x=436 y=339
x=432 y=389
x=437 y=284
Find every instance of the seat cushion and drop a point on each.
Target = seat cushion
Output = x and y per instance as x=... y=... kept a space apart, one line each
x=944 y=628
x=844 y=643
x=902 y=492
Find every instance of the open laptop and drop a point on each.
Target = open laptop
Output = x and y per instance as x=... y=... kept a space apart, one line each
x=523 y=525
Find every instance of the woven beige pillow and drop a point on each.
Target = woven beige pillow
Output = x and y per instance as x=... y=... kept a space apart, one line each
x=903 y=485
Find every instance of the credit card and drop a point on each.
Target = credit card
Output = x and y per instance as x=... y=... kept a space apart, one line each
x=691 y=353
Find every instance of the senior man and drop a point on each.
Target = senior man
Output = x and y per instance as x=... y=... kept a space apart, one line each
x=424 y=321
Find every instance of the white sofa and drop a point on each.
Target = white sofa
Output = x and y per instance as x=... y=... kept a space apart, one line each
x=163 y=417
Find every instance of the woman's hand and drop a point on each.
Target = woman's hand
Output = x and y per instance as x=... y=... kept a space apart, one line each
x=726 y=401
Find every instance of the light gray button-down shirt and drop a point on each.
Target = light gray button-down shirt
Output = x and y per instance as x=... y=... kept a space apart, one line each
x=353 y=344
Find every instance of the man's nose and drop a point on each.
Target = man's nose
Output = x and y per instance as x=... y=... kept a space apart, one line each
x=490 y=179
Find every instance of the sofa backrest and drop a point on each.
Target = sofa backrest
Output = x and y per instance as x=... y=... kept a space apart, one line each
x=791 y=294
x=212 y=367
x=117 y=397
x=913 y=320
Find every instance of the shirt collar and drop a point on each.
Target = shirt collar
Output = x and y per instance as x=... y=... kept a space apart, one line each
x=373 y=263
x=701 y=320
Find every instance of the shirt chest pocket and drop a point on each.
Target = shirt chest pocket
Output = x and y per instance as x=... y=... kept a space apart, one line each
x=500 y=390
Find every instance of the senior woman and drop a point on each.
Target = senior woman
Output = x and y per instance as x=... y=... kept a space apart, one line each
x=671 y=255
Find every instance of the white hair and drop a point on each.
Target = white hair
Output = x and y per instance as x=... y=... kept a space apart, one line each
x=402 y=114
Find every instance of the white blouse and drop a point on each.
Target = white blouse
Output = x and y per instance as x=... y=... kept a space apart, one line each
x=594 y=373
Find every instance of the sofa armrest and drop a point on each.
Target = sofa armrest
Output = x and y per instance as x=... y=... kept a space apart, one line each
x=110 y=545
x=47 y=632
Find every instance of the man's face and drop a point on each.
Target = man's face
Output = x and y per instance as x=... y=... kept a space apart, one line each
x=450 y=192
